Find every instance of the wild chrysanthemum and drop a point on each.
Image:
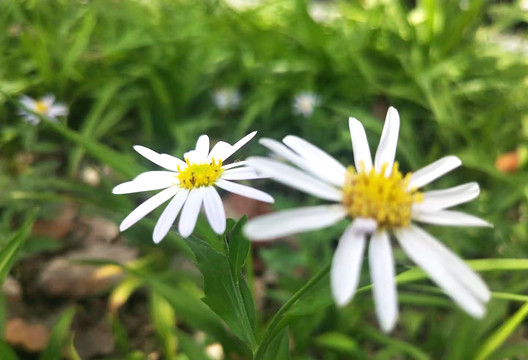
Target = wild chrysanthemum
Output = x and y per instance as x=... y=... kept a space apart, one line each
x=45 y=106
x=190 y=184
x=305 y=103
x=380 y=201
x=227 y=99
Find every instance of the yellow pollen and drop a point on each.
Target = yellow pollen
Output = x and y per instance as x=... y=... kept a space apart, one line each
x=388 y=200
x=41 y=107
x=196 y=175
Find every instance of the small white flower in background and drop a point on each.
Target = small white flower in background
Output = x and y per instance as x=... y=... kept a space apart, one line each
x=226 y=99
x=304 y=104
x=45 y=106
x=323 y=12
x=190 y=184
x=379 y=201
x=243 y=4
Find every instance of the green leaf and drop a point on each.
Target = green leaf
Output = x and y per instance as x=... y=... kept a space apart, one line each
x=59 y=336
x=498 y=337
x=190 y=347
x=164 y=321
x=190 y=309
x=222 y=290
x=10 y=250
x=238 y=251
x=238 y=246
x=339 y=342
x=117 y=161
x=7 y=352
x=279 y=348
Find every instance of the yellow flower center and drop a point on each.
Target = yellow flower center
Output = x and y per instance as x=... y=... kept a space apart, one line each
x=41 y=107
x=196 y=175
x=388 y=200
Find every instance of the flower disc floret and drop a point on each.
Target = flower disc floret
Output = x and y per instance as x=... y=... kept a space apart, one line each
x=197 y=175
x=386 y=199
x=41 y=107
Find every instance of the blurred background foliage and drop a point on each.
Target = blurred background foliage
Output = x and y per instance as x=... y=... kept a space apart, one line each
x=161 y=72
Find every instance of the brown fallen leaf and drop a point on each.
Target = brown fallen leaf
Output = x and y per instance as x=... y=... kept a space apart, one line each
x=32 y=337
x=59 y=226
x=65 y=278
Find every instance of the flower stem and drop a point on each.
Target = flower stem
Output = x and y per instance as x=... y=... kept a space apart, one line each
x=271 y=330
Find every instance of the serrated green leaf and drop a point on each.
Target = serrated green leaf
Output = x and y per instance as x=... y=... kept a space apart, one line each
x=238 y=246
x=222 y=290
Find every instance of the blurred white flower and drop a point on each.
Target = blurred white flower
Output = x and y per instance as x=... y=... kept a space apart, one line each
x=90 y=175
x=243 y=4
x=304 y=104
x=190 y=184
x=227 y=99
x=510 y=42
x=523 y=4
x=379 y=200
x=323 y=12
x=45 y=106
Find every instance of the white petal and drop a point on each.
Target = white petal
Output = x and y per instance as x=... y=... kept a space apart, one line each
x=190 y=211
x=169 y=215
x=445 y=274
x=241 y=173
x=446 y=198
x=365 y=225
x=288 y=222
x=449 y=218
x=285 y=152
x=202 y=148
x=433 y=171
x=295 y=178
x=48 y=99
x=28 y=102
x=389 y=141
x=145 y=208
x=333 y=169
x=219 y=151
x=465 y=275
x=382 y=273
x=193 y=157
x=238 y=145
x=244 y=190
x=147 y=181
x=346 y=265
x=58 y=110
x=31 y=118
x=214 y=210
x=234 y=165
x=166 y=161
x=360 y=145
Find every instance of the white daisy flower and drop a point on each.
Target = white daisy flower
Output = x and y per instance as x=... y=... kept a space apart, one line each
x=380 y=201
x=45 y=106
x=226 y=99
x=304 y=104
x=190 y=184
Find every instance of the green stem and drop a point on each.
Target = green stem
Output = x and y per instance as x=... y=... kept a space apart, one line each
x=270 y=333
